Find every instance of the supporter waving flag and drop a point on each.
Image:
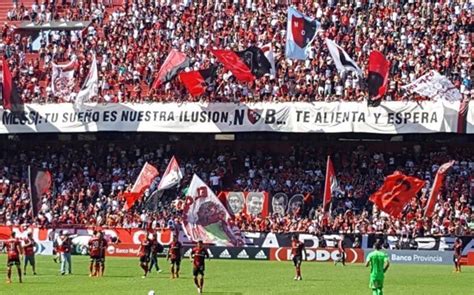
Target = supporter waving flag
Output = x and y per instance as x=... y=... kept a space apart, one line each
x=397 y=190
x=205 y=217
x=435 y=190
x=330 y=184
x=300 y=32
x=39 y=182
x=62 y=78
x=172 y=176
x=197 y=82
x=174 y=63
x=342 y=60
x=377 y=81
x=11 y=98
x=144 y=180
x=245 y=65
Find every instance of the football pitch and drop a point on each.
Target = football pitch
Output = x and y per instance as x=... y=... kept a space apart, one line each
x=232 y=277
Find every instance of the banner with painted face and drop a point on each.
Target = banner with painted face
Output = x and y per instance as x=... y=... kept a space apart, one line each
x=279 y=204
x=296 y=205
x=247 y=203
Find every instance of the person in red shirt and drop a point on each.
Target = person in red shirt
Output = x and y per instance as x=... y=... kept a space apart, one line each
x=156 y=248
x=94 y=253
x=13 y=247
x=297 y=249
x=457 y=255
x=174 y=254
x=144 y=254
x=29 y=252
x=198 y=256
x=103 y=244
x=64 y=249
x=342 y=252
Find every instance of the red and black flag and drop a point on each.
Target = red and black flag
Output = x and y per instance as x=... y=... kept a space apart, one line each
x=197 y=82
x=39 y=182
x=377 y=80
x=330 y=184
x=174 y=63
x=11 y=99
x=397 y=190
x=436 y=189
x=246 y=65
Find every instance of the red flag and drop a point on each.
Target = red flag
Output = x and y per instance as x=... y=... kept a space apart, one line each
x=245 y=65
x=378 y=76
x=397 y=190
x=435 y=190
x=330 y=184
x=143 y=181
x=11 y=99
x=196 y=82
x=174 y=63
x=172 y=175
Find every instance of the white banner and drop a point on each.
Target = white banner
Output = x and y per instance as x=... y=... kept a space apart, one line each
x=335 y=117
x=435 y=86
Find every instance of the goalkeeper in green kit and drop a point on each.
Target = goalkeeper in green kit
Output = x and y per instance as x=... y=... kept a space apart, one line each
x=379 y=264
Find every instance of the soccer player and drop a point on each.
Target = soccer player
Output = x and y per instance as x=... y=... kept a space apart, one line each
x=103 y=244
x=457 y=255
x=198 y=256
x=29 y=252
x=174 y=254
x=342 y=252
x=297 y=249
x=156 y=248
x=144 y=253
x=379 y=264
x=13 y=247
x=94 y=253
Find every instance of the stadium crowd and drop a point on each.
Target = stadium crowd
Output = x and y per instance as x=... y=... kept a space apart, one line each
x=131 y=42
x=89 y=182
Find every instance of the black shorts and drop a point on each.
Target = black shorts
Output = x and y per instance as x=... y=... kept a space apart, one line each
x=198 y=270
x=13 y=261
x=144 y=259
x=96 y=259
x=456 y=258
x=297 y=260
x=30 y=259
x=175 y=261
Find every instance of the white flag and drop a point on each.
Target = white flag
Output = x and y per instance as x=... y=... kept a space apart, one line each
x=270 y=55
x=62 y=79
x=435 y=86
x=90 y=88
x=342 y=60
x=172 y=176
x=205 y=217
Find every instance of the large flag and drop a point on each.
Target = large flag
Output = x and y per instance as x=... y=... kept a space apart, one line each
x=39 y=182
x=11 y=98
x=144 y=180
x=174 y=63
x=300 y=32
x=330 y=184
x=197 y=82
x=342 y=60
x=171 y=177
x=377 y=81
x=437 y=184
x=205 y=217
x=270 y=55
x=90 y=88
x=435 y=86
x=397 y=190
x=62 y=79
x=245 y=65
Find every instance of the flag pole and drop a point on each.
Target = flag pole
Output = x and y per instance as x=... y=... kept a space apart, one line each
x=29 y=191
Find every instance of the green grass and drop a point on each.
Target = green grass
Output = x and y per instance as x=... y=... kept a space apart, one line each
x=232 y=277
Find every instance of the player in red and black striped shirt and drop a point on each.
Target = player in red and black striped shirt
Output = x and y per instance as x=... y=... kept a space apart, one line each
x=103 y=244
x=29 y=252
x=457 y=255
x=174 y=255
x=13 y=247
x=94 y=253
x=297 y=251
x=198 y=256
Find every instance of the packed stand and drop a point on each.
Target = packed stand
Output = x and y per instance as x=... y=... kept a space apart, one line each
x=133 y=40
x=89 y=182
